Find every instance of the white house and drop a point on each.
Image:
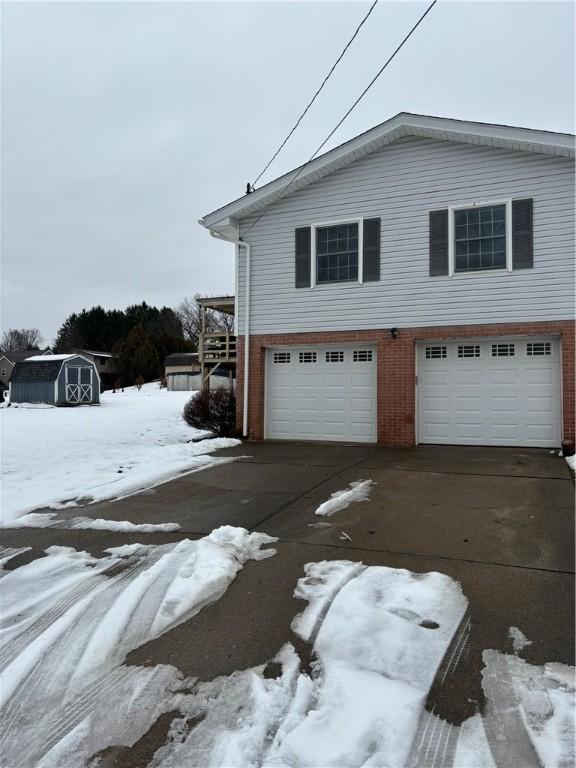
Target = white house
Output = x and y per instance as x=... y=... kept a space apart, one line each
x=413 y=285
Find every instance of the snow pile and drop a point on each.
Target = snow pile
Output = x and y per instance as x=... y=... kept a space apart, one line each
x=69 y=619
x=571 y=461
x=375 y=660
x=357 y=491
x=50 y=520
x=56 y=457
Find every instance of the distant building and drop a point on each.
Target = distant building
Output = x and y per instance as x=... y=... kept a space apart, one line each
x=182 y=371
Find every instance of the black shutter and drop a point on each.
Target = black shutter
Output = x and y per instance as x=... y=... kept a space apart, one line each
x=438 y=246
x=371 y=250
x=522 y=240
x=303 y=257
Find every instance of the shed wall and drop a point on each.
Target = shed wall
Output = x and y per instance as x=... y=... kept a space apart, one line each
x=32 y=392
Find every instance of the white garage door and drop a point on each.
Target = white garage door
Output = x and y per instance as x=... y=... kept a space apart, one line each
x=321 y=393
x=490 y=392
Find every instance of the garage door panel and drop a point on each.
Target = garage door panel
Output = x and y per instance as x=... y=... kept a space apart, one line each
x=540 y=404
x=331 y=399
x=545 y=375
x=504 y=377
x=497 y=398
x=540 y=433
x=470 y=404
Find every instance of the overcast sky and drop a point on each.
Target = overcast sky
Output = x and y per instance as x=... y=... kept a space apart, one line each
x=124 y=123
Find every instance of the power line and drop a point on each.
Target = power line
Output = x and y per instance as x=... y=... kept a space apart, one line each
x=313 y=99
x=354 y=105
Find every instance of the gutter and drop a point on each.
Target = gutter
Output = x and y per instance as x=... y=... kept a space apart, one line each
x=240 y=243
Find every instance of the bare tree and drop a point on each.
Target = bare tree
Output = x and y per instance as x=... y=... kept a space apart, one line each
x=190 y=314
x=20 y=339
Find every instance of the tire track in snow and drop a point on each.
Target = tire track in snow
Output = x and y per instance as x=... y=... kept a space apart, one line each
x=19 y=703
x=132 y=566
x=7 y=553
x=68 y=693
x=506 y=733
x=435 y=741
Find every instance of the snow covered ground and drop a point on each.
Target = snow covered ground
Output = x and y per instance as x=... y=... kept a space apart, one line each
x=379 y=637
x=52 y=457
x=68 y=621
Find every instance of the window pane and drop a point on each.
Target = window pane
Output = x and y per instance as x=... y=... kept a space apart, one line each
x=481 y=244
x=499 y=259
x=337 y=253
x=499 y=227
x=473 y=216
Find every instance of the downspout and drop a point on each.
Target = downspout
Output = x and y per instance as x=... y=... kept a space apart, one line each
x=240 y=243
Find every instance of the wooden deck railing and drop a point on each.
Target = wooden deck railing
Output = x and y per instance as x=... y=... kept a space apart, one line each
x=219 y=347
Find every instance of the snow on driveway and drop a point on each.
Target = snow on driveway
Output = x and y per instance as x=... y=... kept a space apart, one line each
x=52 y=457
x=359 y=490
x=378 y=638
x=68 y=621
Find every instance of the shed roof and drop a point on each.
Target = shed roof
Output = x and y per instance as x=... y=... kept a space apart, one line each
x=44 y=367
x=37 y=370
x=42 y=358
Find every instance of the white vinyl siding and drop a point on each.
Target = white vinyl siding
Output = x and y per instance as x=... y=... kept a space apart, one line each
x=401 y=184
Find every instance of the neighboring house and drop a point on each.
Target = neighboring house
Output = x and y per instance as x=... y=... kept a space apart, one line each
x=56 y=380
x=413 y=285
x=106 y=364
x=9 y=359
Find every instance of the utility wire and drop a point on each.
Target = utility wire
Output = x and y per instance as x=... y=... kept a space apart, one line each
x=354 y=105
x=313 y=99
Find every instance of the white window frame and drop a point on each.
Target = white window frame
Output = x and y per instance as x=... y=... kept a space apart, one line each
x=335 y=222
x=451 y=233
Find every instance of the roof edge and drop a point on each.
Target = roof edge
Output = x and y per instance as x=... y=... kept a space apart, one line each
x=401 y=125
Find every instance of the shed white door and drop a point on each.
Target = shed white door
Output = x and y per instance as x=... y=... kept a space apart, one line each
x=490 y=392
x=321 y=393
x=78 y=384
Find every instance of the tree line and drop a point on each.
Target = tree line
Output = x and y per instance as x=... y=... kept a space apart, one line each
x=140 y=335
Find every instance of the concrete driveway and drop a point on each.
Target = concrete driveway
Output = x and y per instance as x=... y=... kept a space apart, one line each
x=499 y=521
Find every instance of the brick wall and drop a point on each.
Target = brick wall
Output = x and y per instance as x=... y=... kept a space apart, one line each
x=396 y=372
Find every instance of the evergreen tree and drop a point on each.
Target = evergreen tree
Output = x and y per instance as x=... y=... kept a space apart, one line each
x=138 y=356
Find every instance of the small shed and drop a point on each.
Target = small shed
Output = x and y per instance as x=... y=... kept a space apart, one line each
x=55 y=379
